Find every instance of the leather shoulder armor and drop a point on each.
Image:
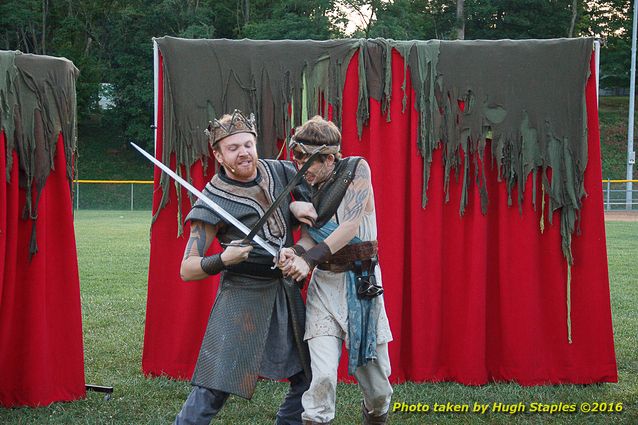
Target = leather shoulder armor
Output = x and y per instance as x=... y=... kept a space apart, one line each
x=326 y=200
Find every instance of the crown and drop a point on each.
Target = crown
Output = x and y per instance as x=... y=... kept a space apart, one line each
x=229 y=125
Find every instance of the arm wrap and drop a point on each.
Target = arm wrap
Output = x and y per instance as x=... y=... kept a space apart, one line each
x=212 y=264
x=319 y=253
x=299 y=250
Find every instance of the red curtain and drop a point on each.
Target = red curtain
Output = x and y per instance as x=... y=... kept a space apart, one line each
x=176 y=311
x=470 y=299
x=41 y=352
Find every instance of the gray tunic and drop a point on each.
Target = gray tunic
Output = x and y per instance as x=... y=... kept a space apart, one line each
x=257 y=322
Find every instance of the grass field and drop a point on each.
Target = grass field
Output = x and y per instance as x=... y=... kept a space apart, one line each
x=113 y=250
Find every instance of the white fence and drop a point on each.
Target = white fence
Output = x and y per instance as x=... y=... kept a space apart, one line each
x=615 y=194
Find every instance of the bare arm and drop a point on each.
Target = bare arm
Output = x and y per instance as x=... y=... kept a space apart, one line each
x=202 y=235
x=305 y=240
x=356 y=201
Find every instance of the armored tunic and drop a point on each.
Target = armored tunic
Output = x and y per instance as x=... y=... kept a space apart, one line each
x=257 y=322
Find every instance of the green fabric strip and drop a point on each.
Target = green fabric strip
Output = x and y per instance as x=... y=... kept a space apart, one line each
x=38 y=103
x=206 y=78
x=527 y=96
x=8 y=101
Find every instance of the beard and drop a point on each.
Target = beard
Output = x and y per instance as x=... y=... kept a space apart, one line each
x=318 y=176
x=243 y=168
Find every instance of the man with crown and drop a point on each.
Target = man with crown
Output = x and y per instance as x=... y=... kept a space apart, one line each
x=256 y=325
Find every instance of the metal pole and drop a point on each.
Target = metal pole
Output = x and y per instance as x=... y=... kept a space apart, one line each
x=77 y=196
x=156 y=90
x=608 y=193
x=631 y=155
x=597 y=62
x=131 y=196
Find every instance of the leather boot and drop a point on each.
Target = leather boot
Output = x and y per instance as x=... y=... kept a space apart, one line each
x=370 y=419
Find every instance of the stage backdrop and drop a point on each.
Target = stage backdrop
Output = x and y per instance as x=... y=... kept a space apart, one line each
x=486 y=168
x=41 y=354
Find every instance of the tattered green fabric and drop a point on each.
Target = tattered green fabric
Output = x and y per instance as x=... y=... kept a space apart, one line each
x=421 y=58
x=375 y=78
x=38 y=101
x=8 y=75
x=529 y=97
x=202 y=79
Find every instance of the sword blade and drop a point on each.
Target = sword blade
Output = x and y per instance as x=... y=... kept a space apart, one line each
x=282 y=196
x=218 y=210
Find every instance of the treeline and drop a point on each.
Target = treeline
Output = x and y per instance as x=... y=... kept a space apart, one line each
x=110 y=40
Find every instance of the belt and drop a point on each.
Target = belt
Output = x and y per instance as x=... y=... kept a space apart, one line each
x=343 y=260
x=255 y=269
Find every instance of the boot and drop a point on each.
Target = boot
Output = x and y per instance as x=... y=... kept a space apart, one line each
x=370 y=419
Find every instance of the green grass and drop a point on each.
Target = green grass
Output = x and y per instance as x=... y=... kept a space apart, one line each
x=113 y=250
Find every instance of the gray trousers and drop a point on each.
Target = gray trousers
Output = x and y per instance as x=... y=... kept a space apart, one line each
x=320 y=399
x=203 y=404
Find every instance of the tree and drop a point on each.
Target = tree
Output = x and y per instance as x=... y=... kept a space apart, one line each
x=611 y=21
x=414 y=19
x=460 y=19
x=364 y=12
x=20 y=25
x=293 y=19
x=110 y=41
x=516 y=19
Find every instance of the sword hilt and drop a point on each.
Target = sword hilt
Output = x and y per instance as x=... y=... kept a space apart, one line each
x=281 y=245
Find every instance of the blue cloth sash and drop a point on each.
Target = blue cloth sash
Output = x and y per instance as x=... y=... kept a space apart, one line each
x=362 y=314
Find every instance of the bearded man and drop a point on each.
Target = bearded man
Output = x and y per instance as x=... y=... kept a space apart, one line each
x=344 y=301
x=256 y=325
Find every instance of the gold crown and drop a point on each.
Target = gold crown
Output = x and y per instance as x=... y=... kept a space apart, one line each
x=229 y=125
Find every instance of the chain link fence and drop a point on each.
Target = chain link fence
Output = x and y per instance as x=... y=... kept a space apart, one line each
x=131 y=195
x=138 y=194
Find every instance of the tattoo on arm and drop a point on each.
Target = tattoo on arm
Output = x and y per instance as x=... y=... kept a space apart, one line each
x=197 y=242
x=357 y=194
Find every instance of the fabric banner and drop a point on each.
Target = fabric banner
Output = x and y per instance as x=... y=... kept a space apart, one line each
x=472 y=299
x=41 y=351
x=176 y=311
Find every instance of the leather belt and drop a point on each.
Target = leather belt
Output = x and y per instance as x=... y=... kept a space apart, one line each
x=255 y=269
x=343 y=260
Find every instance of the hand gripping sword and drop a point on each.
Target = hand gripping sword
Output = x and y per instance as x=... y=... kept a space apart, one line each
x=219 y=210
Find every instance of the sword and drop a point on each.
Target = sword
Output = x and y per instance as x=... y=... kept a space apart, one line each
x=282 y=196
x=218 y=210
